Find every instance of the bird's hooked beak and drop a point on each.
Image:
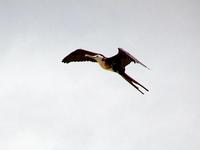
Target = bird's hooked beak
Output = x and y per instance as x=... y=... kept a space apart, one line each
x=95 y=57
x=90 y=56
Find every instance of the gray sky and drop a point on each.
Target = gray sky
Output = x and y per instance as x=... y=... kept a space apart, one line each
x=47 y=105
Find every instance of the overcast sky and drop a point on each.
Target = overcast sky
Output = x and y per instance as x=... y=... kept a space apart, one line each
x=48 y=105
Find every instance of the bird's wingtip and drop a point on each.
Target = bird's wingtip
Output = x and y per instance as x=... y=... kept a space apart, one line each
x=63 y=61
x=148 y=68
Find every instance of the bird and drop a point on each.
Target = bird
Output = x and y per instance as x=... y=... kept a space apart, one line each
x=116 y=63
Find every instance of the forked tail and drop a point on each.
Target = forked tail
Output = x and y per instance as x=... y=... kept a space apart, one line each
x=132 y=81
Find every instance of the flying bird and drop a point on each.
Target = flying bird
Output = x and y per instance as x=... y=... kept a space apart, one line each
x=116 y=63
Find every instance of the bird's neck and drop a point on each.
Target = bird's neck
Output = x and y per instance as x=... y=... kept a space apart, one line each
x=104 y=65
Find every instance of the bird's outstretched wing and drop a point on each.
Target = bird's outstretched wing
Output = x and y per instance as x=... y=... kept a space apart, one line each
x=79 y=55
x=127 y=58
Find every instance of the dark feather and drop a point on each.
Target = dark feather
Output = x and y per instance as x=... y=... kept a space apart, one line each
x=130 y=58
x=79 y=55
x=125 y=58
x=132 y=81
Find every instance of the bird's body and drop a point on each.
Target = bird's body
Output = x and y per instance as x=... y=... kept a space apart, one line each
x=116 y=63
x=105 y=66
x=100 y=59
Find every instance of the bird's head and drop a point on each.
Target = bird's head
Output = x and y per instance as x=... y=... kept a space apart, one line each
x=97 y=57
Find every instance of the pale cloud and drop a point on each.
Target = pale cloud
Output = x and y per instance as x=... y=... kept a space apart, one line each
x=46 y=104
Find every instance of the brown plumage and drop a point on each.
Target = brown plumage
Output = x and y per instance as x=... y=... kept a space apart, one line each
x=79 y=55
x=116 y=63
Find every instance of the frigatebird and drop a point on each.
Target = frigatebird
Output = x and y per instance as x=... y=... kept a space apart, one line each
x=116 y=63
